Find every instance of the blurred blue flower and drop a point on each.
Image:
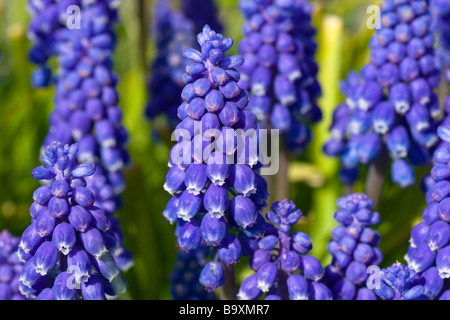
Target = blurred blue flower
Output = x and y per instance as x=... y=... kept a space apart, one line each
x=392 y=97
x=185 y=277
x=354 y=247
x=279 y=67
x=86 y=99
x=10 y=267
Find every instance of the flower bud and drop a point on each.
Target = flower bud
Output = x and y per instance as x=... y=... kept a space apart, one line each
x=63 y=289
x=45 y=258
x=243 y=211
x=298 y=287
x=212 y=276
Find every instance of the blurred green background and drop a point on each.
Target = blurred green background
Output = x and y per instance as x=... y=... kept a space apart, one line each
x=343 y=45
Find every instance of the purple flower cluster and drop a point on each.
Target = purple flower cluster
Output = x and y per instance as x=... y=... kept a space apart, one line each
x=430 y=239
x=399 y=282
x=67 y=247
x=47 y=18
x=279 y=67
x=173 y=33
x=391 y=103
x=10 y=267
x=86 y=100
x=185 y=277
x=441 y=16
x=283 y=268
x=214 y=193
x=354 y=248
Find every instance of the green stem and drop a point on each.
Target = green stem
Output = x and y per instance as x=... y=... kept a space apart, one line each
x=228 y=290
x=330 y=57
x=282 y=180
x=283 y=275
x=143 y=16
x=377 y=176
x=271 y=180
x=348 y=189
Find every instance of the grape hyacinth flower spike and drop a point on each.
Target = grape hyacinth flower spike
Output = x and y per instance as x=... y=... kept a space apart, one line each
x=391 y=110
x=283 y=268
x=441 y=25
x=279 y=69
x=429 y=249
x=354 y=248
x=67 y=247
x=204 y=168
x=10 y=267
x=46 y=20
x=86 y=100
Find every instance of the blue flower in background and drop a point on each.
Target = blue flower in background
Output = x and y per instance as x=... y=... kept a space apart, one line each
x=391 y=104
x=201 y=13
x=46 y=20
x=67 y=247
x=354 y=248
x=185 y=277
x=86 y=99
x=441 y=15
x=283 y=268
x=279 y=67
x=173 y=33
x=10 y=267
